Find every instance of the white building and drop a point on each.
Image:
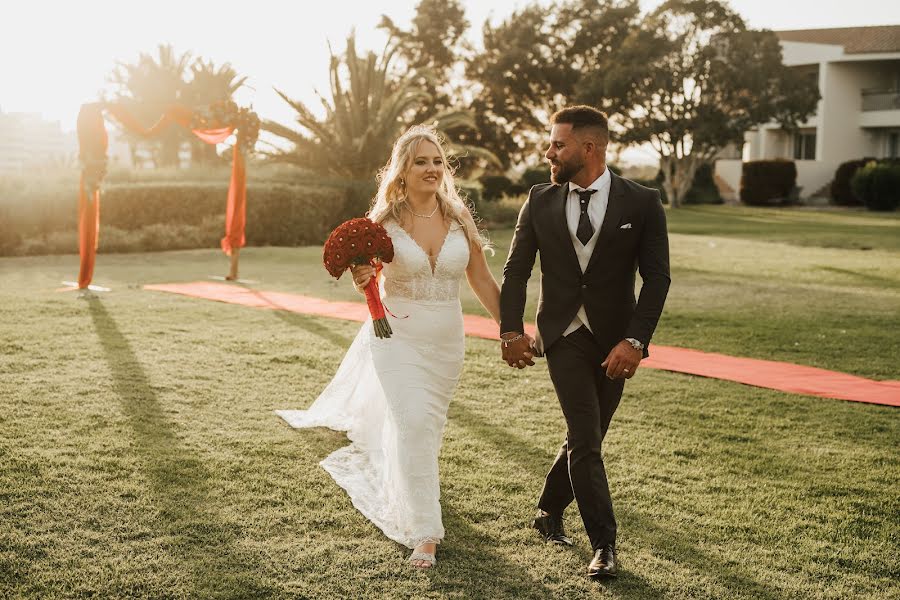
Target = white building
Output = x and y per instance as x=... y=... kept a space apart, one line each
x=27 y=140
x=858 y=116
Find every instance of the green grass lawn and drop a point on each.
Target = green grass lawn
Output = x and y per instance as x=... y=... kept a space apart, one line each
x=139 y=455
x=835 y=228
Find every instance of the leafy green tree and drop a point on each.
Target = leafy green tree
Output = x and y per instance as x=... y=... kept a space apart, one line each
x=540 y=59
x=435 y=50
x=370 y=105
x=694 y=80
x=149 y=85
x=435 y=40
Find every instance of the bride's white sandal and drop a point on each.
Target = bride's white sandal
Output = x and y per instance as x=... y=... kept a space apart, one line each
x=423 y=556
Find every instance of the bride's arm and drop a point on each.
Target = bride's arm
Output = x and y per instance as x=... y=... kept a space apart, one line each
x=481 y=280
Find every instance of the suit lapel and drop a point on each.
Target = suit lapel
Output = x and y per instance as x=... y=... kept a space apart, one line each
x=560 y=224
x=614 y=209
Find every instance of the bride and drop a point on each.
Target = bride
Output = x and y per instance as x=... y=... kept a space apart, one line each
x=391 y=395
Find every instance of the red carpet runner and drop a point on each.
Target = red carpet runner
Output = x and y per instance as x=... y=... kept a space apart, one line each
x=774 y=375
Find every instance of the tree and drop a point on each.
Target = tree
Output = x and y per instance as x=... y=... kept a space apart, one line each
x=434 y=43
x=149 y=86
x=209 y=84
x=695 y=79
x=541 y=59
x=435 y=50
x=370 y=106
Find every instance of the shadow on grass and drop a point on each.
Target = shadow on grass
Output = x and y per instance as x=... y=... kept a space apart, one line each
x=674 y=545
x=532 y=462
x=179 y=481
x=875 y=280
x=311 y=325
x=477 y=570
x=307 y=322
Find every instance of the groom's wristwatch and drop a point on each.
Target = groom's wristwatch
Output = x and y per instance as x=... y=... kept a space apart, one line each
x=637 y=345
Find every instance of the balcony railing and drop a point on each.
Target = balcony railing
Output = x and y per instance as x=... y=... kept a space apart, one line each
x=881 y=100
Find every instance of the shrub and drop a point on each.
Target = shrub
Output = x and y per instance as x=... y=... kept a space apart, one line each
x=494 y=186
x=841 y=190
x=703 y=189
x=516 y=189
x=878 y=185
x=501 y=213
x=533 y=176
x=470 y=192
x=768 y=182
x=9 y=237
x=149 y=216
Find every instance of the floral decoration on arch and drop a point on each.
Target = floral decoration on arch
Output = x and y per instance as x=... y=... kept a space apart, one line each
x=226 y=113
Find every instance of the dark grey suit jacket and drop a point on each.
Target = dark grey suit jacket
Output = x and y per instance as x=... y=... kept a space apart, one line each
x=606 y=288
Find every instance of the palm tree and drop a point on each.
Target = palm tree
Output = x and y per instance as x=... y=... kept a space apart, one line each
x=209 y=84
x=370 y=107
x=150 y=85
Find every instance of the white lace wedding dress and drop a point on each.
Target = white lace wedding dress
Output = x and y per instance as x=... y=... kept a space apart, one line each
x=391 y=395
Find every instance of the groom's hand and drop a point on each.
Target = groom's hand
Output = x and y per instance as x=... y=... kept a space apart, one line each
x=622 y=361
x=517 y=349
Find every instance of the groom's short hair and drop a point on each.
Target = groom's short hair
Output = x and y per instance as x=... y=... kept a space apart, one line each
x=584 y=117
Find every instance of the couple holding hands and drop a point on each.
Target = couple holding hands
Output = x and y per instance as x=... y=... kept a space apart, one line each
x=593 y=231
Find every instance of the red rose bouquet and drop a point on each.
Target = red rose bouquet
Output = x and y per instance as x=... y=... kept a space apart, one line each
x=359 y=242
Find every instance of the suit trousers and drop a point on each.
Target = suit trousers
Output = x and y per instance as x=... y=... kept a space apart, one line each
x=588 y=400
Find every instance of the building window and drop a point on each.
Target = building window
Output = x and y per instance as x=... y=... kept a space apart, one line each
x=893 y=145
x=805 y=146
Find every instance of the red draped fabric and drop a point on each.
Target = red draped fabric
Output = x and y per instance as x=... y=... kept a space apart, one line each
x=236 y=211
x=93 y=142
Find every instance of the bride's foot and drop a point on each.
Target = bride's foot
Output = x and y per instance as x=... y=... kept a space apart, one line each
x=423 y=556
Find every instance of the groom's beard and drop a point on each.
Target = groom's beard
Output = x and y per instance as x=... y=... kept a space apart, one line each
x=565 y=171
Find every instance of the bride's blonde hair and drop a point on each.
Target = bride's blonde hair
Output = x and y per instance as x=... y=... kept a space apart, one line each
x=391 y=199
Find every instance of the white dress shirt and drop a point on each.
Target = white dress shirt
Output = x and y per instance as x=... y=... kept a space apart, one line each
x=596 y=212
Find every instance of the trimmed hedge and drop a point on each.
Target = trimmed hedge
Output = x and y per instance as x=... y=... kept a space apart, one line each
x=768 y=182
x=160 y=216
x=878 y=185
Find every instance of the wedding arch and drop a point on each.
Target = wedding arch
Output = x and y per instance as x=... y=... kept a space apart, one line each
x=212 y=124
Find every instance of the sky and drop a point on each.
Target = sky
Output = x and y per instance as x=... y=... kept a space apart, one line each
x=54 y=56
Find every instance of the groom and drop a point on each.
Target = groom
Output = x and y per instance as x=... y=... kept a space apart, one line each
x=593 y=230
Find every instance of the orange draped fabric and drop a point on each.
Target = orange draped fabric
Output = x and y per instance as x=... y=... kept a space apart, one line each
x=93 y=142
x=88 y=234
x=236 y=210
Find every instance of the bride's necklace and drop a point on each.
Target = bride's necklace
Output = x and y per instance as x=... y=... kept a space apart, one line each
x=415 y=214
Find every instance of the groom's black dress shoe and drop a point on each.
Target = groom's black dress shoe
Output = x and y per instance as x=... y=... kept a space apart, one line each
x=604 y=563
x=550 y=527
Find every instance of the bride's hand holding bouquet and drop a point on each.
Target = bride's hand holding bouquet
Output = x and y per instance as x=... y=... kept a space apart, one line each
x=361 y=245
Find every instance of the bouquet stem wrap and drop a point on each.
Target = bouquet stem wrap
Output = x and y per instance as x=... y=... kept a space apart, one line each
x=376 y=307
